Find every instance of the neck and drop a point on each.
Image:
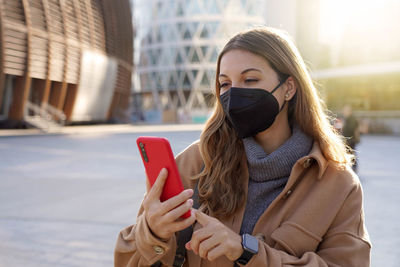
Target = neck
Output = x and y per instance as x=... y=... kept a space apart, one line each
x=275 y=136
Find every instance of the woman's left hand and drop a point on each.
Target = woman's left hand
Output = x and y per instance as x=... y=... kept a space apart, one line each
x=214 y=239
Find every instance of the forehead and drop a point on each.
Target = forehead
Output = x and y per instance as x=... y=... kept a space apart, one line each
x=238 y=60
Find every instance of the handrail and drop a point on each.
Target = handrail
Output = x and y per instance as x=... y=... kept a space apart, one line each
x=46 y=112
x=52 y=110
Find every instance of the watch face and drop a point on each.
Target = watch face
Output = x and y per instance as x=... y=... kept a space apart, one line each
x=250 y=243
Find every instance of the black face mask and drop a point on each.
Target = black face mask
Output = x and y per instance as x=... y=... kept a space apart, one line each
x=250 y=110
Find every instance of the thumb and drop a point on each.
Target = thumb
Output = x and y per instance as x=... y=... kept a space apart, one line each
x=202 y=218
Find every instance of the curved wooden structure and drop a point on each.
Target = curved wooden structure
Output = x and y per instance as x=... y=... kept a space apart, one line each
x=67 y=54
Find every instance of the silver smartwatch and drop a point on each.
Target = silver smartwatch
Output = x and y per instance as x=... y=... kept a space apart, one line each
x=250 y=247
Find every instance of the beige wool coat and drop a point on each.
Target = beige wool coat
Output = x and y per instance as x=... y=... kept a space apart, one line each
x=317 y=220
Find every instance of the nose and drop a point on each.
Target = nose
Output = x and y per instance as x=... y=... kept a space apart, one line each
x=236 y=85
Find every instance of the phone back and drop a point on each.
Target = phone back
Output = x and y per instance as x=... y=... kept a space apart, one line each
x=156 y=154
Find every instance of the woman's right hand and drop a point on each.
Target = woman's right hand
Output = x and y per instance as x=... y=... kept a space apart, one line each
x=163 y=218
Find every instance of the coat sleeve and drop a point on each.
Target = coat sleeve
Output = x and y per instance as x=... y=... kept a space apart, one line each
x=346 y=242
x=137 y=246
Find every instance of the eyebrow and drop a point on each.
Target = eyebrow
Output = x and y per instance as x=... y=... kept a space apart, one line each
x=243 y=72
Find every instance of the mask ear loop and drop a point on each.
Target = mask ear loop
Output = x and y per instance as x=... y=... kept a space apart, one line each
x=276 y=88
x=282 y=106
x=279 y=85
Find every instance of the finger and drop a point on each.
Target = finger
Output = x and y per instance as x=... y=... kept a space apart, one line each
x=199 y=236
x=183 y=224
x=206 y=245
x=215 y=252
x=203 y=218
x=174 y=214
x=177 y=200
x=156 y=189
x=148 y=186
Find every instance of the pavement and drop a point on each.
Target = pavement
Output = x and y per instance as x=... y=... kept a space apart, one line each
x=64 y=197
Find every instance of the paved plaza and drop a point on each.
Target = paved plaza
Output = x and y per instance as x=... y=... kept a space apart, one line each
x=64 y=198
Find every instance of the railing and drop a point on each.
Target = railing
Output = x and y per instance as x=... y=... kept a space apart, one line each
x=45 y=118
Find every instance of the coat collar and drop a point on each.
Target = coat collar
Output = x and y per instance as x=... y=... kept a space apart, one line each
x=316 y=155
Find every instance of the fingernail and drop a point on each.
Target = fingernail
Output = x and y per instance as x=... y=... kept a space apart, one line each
x=190 y=201
x=189 y=192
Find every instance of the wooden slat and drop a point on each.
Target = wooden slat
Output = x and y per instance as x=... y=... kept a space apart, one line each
x=38 y=58
x=73 y=43
x=12 y=46
x=84 y=23
x=39 y=66
x=39 y=47
x=57 y=25
x=14 y=40
x=14 y=33
x=38 y=40
x=15 y=53
x=13 y=26
x=15 y=17
x=2 y=72
x=37 y=14
x=13 y=4
x=40 y=33
x=37 y=75
x=39 y=53
x=13 y=10
x=12 y=59
x=71 y=19
x=13 y=71
x=98 y=25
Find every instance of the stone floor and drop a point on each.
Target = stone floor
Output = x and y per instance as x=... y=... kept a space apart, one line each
x=64 y=198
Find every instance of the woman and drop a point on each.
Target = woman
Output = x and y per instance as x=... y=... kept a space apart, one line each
x=274 y=179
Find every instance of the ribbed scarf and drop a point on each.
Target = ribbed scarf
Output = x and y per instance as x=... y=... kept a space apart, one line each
x=268 y=174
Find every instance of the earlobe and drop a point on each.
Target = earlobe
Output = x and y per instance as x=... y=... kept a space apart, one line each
x=291 y=88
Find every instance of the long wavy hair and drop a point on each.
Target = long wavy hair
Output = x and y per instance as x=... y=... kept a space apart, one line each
x=221 y=185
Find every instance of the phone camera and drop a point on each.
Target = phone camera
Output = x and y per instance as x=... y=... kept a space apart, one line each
x=144 y=154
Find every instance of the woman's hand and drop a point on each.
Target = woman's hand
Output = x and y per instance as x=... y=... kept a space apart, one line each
x=163 y=217
x=214 y=239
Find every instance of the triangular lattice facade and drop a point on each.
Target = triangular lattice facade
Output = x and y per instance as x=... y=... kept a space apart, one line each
x=179 y=42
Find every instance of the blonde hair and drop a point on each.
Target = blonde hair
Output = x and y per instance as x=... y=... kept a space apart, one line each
x=221 y=188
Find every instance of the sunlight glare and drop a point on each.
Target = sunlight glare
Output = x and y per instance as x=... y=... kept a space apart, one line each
x=359 y=16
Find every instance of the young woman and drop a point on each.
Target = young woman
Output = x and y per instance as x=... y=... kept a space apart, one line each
x=274 y=181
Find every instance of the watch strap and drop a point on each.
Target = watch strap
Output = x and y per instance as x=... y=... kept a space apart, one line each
x=247 y=252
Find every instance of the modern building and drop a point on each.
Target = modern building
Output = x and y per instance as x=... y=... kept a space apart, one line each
x=177 y=45
x=353 y=49
x=64 y=61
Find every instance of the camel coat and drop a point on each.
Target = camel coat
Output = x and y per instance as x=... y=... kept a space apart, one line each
x=317 y=220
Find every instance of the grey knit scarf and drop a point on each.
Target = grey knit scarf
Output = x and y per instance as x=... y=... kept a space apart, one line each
x=268 y=174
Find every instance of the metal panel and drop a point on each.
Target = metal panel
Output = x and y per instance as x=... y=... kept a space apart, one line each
x=97 y=81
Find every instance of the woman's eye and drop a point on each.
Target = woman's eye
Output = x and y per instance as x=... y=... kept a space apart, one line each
x=251 y=80
x=222 y=85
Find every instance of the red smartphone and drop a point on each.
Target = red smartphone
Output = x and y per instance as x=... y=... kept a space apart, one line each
x=157 y=154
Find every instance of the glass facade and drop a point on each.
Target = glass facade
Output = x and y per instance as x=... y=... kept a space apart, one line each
x=177 y=45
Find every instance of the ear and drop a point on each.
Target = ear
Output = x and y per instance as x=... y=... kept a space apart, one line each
x=291 y=88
